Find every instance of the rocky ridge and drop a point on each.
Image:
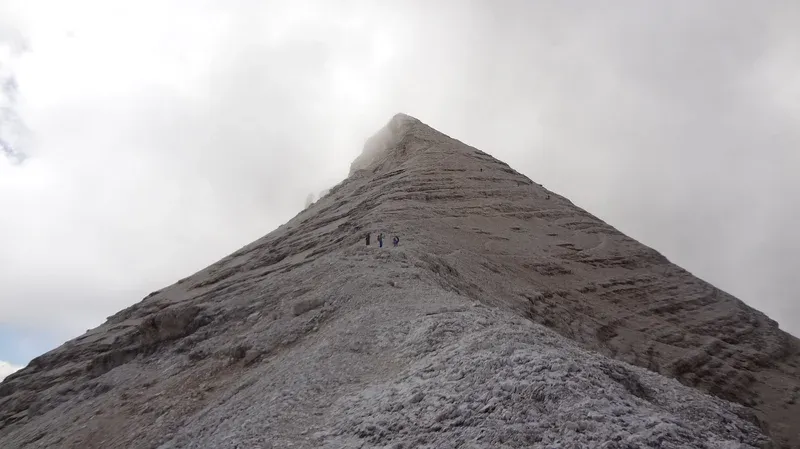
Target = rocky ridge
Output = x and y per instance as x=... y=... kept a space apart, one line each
x=507 y=317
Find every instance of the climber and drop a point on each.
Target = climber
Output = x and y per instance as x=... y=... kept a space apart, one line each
x=396 y=240
x=380 y=240
x=368 y=235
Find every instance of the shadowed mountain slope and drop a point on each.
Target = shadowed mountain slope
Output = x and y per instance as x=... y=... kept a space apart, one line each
x=506 y=317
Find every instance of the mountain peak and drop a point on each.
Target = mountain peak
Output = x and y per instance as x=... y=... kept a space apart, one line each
x=386 y=145
x=505 y=316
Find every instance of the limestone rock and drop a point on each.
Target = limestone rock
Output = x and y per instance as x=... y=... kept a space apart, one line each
x=507 y=317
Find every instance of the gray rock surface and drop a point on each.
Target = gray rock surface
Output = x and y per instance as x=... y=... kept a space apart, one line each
x=508 y=317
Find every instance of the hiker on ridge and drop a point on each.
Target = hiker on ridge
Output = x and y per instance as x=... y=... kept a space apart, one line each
x=396 y=240
x=380 y=240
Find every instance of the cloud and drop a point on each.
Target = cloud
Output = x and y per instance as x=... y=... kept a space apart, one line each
x=12 y=130
x=164 y=135
x=6 y=369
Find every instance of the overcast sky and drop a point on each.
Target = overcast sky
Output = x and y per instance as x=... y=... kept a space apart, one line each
x=161 y=135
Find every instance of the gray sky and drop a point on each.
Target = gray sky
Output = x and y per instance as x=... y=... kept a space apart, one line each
x=163 y=134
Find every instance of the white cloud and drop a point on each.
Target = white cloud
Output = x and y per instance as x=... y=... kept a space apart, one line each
x=6 y=369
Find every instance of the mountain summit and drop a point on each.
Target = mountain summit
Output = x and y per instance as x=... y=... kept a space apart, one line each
x=507 y=317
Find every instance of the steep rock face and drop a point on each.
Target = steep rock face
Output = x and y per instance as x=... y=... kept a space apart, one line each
x=507 y=317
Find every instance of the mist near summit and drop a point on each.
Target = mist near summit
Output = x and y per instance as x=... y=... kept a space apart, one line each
x=160 y=136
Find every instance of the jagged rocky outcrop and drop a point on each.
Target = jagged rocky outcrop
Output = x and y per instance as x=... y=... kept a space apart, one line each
x=507 y=317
